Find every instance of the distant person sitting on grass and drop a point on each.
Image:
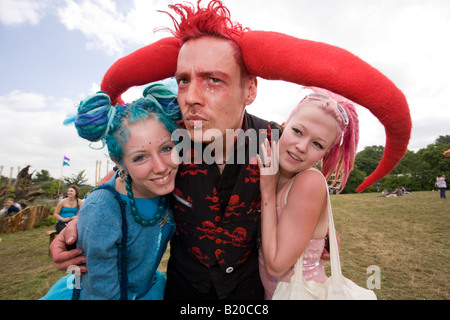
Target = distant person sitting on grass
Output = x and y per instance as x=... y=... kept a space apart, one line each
x=10 y=208
x=397 y=193
x=67 y=209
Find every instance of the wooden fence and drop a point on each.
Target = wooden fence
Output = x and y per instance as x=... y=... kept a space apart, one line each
x=24 y=219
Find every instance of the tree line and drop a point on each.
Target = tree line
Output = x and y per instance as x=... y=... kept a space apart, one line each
x=417 y=170
x=48 y=184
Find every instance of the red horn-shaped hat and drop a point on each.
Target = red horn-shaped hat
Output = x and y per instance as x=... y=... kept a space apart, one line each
x=277 y=56
x=157 y=61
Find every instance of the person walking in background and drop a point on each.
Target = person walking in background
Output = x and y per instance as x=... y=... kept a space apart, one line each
x=441 y=184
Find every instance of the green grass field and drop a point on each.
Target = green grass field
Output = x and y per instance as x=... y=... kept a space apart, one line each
x=407 y=238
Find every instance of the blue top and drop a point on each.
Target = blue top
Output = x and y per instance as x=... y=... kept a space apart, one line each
x=100 y=234
x=67 y=212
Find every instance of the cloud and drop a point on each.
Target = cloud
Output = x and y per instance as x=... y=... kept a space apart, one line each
x=39 y=138
x=22 y=101
x=16 y=12
x=111 y=28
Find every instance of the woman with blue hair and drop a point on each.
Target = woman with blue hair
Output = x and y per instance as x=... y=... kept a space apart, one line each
x=125 y=224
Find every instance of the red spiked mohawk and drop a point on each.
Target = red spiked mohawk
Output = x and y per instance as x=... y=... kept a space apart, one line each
x=213 y=20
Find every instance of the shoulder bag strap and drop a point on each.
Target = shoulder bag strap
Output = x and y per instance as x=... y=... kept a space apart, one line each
x=334 y=251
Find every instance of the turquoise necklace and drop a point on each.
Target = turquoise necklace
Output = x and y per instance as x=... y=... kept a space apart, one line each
x=138 y=217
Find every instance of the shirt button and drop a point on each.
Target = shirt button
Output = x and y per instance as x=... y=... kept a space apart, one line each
x=229 y=270
x=219 y=229
x=218 y=241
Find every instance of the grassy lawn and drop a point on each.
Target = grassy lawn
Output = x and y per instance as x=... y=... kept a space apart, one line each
x=407 y=237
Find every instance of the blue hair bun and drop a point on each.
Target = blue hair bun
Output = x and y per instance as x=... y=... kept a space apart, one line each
x=92 y=119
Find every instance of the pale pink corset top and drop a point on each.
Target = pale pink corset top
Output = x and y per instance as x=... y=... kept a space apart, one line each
x=312 y=266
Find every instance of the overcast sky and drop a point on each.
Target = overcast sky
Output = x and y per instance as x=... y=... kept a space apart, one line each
x=54 y=53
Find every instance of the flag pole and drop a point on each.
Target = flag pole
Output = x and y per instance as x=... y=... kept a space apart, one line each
x=96 y=171
x=60 y=177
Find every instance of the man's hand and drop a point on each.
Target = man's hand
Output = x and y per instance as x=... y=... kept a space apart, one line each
x=60 y=249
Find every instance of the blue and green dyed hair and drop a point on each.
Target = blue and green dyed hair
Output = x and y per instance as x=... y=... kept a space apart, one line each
x=97 y=120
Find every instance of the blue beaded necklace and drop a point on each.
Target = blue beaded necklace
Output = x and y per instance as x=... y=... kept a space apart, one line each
x=138 y=217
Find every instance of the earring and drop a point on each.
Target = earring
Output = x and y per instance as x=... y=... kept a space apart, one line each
x=123 y=173
x=342 y=139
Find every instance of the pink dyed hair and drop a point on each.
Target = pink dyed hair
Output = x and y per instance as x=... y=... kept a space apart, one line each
x=340 y=158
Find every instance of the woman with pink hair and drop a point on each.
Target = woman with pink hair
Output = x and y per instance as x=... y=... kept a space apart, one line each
x=322 y=128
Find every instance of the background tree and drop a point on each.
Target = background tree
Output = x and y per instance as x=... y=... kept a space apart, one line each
x=367 y=160
x=50 y=187
x=43 y=175
x=443 y=139
x=76 y=179
x=23 y=190
x=355 y=178
x=417 y=170
x=433 y=162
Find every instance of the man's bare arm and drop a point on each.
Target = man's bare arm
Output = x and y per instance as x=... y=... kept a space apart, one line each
x=62 y=255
